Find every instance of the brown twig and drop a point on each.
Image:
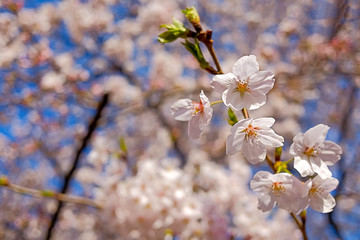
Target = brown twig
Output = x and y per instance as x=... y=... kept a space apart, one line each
x=69 y=176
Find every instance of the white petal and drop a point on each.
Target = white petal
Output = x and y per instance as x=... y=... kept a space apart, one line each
x=303 y=167
x=262 y=82
x=266 y=202
x=204 y=99
x=328 y=184
x=264 y=122
x=297 y=147
x=234 y=142
x=245 y=67
x=194 y=130
x=261 y=182
x=270 y=139
x=182 y=110
x=222 y=82
x=253 y=151
x=253 y=102
x=330 y=153
x=315 y=135
x=233 y=99
x=320 y=167
x=323 y=205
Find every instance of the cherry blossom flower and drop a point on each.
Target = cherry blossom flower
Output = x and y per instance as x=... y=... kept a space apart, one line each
x=246 y=86
x=282 y=189
x=312 y=153
x=251 y=137
x=198 y=114
x=319 y=194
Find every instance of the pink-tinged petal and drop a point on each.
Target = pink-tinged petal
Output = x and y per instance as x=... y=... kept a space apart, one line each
x=315 y=135
x=253 y=102
x=261 y=182
x=297 y=147
x=320 y=167
x=204 y=99
x=245 y=67
x=194 y=130
x=253 y=151
x=233 y=99
x=205 y=118
x=330 y=153
x=234 y=142
x=265 y=122
x=270 y=139
x=261 y=83
x=222 y=82
x=303 y=167
x=261 y=76
x=323 y=205
x=266 y=202
x=182 y=110
x=330 y=184
x=307 y=186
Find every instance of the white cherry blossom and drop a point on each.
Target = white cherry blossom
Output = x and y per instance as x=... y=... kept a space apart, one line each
x=246 y=86
x=319 y=194
x=282 y=189
x=312 y=153
x=251 y=137
x=198 y=114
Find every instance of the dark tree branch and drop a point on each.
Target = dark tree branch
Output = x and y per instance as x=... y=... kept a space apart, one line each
x=69 y=175
x=344 y=125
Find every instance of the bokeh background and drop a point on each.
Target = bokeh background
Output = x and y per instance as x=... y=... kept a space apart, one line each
x=85 y=100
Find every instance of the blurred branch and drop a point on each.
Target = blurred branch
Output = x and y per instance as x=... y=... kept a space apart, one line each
x=4 y=182
x=342 y=8
x=344 y=124
x=91 y=128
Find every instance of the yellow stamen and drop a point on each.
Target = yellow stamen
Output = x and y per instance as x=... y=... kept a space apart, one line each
x=310 y=151
x=242 y=86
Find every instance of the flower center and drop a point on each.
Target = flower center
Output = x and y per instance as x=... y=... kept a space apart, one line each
x=242 y=86
x=310 y=151
x=315 y=191
x=251 y=131
x=277 y=188
x=198 y=107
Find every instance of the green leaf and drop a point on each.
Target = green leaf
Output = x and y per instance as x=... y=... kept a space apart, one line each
x=232 y=117
x=195 y=50
x=192 y=15
x=174 y=31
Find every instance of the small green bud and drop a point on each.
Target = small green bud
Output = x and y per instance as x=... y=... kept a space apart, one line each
x=123 y=146
x=47 y=193
x=174 y=31
x=192 y=15
x=232 y=117
x=4 y=181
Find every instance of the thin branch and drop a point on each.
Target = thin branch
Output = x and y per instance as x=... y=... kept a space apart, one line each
x=69 y=176
x=4 y=182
